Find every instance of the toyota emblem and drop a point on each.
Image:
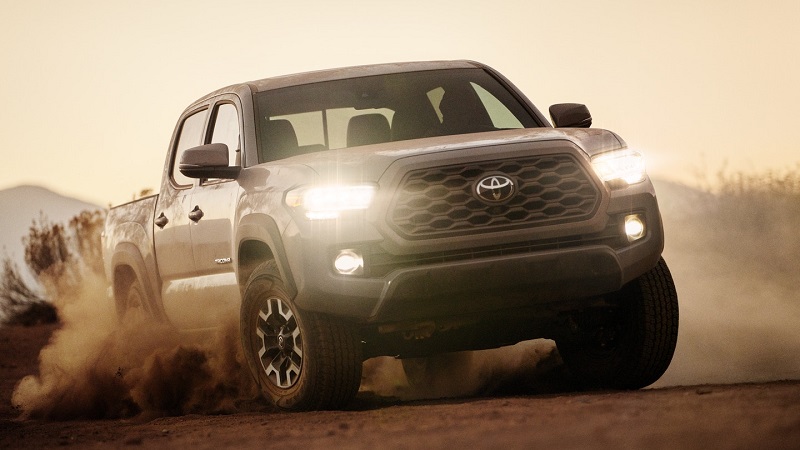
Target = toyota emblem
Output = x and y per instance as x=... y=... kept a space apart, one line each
x=495 y=188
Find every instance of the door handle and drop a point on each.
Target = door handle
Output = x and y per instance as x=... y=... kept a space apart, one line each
x=161 y=221
x=196 y=214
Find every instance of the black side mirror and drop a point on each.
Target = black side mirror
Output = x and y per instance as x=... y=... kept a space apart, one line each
x=207 y=161
x=570 y=115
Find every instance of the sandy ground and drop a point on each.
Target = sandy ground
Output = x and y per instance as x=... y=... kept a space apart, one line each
x=719 y=416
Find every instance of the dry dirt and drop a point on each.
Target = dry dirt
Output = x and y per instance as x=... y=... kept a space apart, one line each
x=717 y=416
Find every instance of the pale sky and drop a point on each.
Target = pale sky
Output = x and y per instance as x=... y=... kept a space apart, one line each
x=91 y=90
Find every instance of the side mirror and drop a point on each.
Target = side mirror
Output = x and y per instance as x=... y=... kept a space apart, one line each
x=570 y=115
x=207 y=161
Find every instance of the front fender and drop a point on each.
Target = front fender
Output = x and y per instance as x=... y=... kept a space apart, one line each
x=262 y=228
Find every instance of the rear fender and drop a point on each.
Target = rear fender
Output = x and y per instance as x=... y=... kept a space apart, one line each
x=126 y=255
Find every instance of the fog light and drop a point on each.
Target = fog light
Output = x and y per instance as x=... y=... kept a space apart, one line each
x=348 y=262
x=634 y=227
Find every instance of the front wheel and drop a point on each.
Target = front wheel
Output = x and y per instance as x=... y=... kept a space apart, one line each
x=300 y=360
x=629 y=344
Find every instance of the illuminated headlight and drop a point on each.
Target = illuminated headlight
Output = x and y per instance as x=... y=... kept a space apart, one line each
x=634 y=227
x=620 y=166
x=327 y=202
x=349 y=262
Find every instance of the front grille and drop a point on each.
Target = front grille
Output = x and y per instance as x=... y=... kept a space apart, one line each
x=439 y=201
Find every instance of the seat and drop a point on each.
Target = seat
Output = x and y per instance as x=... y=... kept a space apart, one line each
x=279 y=140
x=463 y=112
x=368 y=129
x=414 y=123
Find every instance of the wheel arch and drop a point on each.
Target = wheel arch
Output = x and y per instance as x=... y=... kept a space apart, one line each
x=259 y=240
x=128 y=265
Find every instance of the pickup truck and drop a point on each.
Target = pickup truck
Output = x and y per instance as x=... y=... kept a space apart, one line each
x=407 y=210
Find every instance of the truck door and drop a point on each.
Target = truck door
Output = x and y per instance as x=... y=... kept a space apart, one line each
x=171 y=231
x=213 y=233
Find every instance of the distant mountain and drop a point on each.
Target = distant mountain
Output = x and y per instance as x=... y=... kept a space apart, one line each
x=21 y=205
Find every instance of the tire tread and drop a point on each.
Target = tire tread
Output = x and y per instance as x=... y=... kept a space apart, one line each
x=332 y=375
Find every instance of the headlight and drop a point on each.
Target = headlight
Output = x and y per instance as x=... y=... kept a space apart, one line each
x=327 y=202
x=620 y=166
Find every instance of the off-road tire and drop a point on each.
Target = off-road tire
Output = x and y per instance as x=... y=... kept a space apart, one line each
x=301 y=360
x=628 y=346
x=132 y=299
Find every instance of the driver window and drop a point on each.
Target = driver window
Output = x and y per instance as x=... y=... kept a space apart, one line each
x=191 y=136
x=226 y=131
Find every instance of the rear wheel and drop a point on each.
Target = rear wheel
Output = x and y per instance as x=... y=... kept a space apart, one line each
x=300 y=360
x=131 y=300
x=630 y=344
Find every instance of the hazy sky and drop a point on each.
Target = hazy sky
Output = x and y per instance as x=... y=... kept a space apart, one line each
x=91 y=90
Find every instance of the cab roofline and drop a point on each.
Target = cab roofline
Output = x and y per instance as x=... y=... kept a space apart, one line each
x=357 y=72
x=317 y=76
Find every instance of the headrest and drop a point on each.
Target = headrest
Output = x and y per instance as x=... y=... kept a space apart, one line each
x=368 y=129
x=279 y=140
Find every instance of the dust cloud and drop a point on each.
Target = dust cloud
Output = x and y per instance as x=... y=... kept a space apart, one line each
x=96 y=366
x=530 y=367
x=735 y=260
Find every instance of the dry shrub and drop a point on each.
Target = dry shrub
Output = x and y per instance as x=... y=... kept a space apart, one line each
x=20 y=304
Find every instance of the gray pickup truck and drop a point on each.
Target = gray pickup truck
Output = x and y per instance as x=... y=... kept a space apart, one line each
x=408 y=210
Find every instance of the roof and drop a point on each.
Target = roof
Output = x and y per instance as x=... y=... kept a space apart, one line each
x=356 y=72
x=282 y=81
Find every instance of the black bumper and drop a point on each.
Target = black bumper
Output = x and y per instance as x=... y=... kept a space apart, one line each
x=499 y=283
x=475 y=286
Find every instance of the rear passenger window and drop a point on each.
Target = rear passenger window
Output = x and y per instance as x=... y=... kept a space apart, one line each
x=191 y=135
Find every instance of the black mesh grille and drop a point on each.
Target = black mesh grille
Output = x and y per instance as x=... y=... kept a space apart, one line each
x=439 y=201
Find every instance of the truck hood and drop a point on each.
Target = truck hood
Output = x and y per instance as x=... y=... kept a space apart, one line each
x=369 y=162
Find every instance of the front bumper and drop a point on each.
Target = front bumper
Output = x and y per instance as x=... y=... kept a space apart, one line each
x=482 y=283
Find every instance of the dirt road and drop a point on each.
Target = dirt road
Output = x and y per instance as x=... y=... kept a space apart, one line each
x=733 y=416
x=749 y=416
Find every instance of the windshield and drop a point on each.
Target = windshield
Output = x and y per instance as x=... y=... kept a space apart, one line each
x=383 y=108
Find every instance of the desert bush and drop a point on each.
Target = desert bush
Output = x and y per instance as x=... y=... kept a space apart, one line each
x=60 y=256
x=86 y=228
x=46 y=248
x=19 y=303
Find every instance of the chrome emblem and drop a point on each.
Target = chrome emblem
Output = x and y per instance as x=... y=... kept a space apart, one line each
x=495 y=188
